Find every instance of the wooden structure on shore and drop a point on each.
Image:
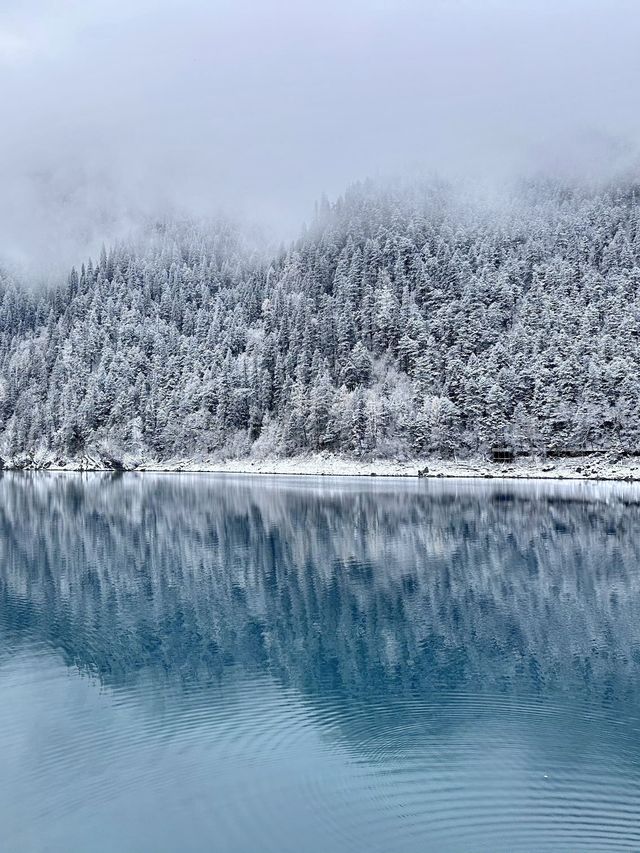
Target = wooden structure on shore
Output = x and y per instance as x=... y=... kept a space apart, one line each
x=502 y=454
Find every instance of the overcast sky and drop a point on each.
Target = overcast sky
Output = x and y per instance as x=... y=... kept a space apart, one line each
x=116 y=108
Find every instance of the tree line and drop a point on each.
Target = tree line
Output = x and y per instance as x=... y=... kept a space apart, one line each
x=404 y=321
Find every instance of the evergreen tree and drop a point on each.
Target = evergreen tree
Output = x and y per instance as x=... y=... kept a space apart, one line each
x=401 y=322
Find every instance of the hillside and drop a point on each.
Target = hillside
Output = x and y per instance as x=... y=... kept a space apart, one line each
x=403 y=322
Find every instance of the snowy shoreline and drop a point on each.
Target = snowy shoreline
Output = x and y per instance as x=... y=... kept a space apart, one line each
x=618 y=469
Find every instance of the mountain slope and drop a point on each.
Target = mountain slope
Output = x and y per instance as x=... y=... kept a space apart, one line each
x=402 y=321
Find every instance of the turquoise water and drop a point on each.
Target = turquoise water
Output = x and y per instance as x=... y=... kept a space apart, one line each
x=207 y=663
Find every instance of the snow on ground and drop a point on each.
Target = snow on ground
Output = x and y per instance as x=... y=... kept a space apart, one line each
x=324 y=464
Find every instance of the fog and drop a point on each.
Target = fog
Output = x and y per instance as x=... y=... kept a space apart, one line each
x=116 y=110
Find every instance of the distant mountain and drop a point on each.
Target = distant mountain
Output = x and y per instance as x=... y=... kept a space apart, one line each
x=404 y=321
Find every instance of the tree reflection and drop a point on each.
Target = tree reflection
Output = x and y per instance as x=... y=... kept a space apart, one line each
x=368 y=591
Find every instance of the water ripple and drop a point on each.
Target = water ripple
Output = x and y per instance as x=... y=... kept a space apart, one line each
x=316 y=672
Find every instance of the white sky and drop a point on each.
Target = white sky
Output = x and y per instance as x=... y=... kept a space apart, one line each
x=115 y=109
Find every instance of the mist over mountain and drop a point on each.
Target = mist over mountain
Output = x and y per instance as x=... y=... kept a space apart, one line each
x=115 y=112
x=182 y=147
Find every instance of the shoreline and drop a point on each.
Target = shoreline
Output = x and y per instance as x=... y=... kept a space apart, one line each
x=576 y=469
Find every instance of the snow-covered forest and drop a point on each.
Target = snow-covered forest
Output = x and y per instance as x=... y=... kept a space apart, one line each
x=403 y=322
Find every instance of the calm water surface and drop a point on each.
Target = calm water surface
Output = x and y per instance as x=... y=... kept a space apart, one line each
x=207 y=663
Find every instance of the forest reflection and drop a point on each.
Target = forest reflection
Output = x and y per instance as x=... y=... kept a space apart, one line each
x=348 y=588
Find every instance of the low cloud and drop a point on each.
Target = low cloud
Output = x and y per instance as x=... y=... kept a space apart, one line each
x=115 y=111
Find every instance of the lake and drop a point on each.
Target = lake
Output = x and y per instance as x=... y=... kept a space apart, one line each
x=198 y=663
